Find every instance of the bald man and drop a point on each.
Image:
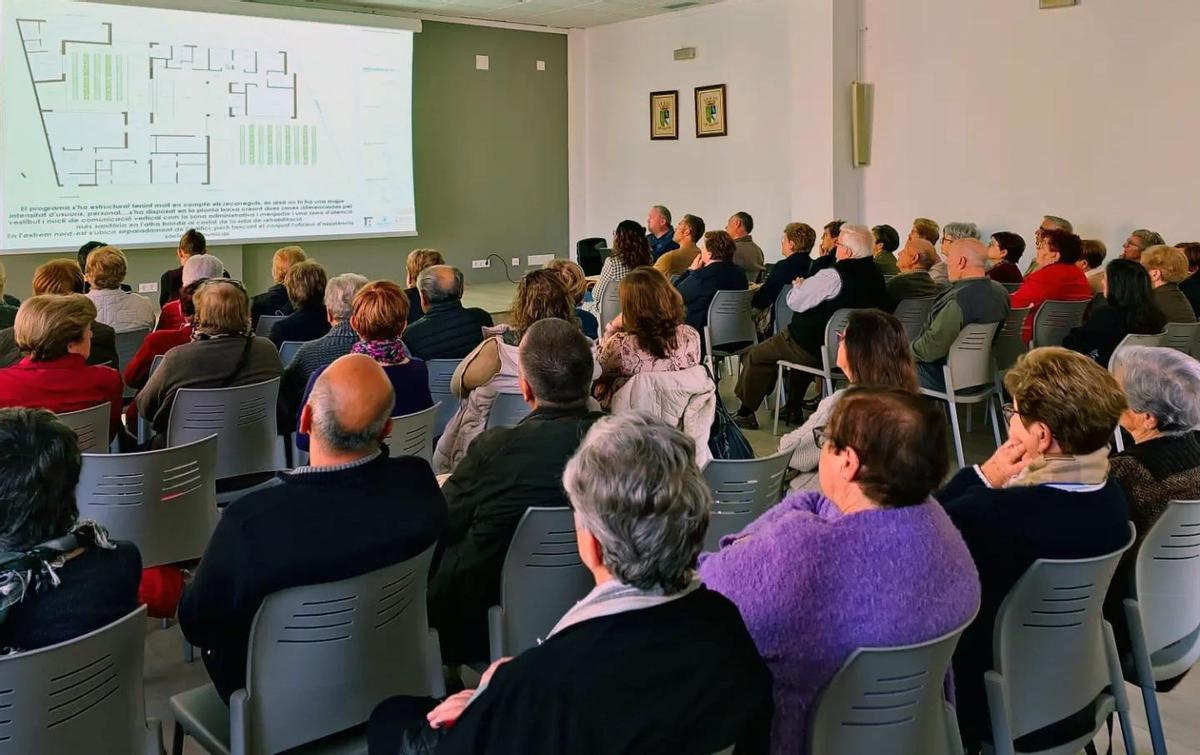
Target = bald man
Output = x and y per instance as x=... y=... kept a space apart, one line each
x=447 y=330
x=972 y=298
x=353 y=510
x=913 y=281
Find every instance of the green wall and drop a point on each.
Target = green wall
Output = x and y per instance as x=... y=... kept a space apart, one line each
x=489 y=162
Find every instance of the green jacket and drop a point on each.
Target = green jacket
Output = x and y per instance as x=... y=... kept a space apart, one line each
x=967 y=302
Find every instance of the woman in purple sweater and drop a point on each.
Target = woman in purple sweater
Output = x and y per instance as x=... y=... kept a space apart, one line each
x=877 y=563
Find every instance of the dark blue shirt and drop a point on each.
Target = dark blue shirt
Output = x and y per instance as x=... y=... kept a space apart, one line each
x=588 y=323
x=660 y=245
x=698 y=287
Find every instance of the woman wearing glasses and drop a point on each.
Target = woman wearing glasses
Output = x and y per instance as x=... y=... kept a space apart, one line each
x=223 y=352
x=871 y=561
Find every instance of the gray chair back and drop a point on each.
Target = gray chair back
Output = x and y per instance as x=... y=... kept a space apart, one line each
x=913 y=314
x=242 y=417
x=127 y=344
x=507 y=410
x=783 y=313
x=287 y=351
x=265 y=323
x=1054 y=319
x=1007 y=345
x=1183 y=336
x=742 y=490
x=90 y=426
x=610 y=304
x=1138 y=339
x=441 y=371
x=155 y=363
x=969 y=363
x=321 y=657
x=412 y=434
x=83 y=695
x=1011 y=287
x=889 y=701
x=730 y=321
x=164 y=501
x=542 y=578
x=1166 y=586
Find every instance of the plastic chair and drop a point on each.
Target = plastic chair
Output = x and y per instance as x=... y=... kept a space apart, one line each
x=1007 y=346
x=969 y=378
x=783 y=313
x=1055 y=653
x=287 y=351
x=610 y=304
x=889 y=701
x=127 y=345
x=82 y=695
x=541 y=579
x=1183 y=336
x=507 y=410
x=1139 y=339
x=730 y=323
x=587 y=254
x=913 y=314
x=742 y=490
x=828 y=369
x=1163 y=610
x=90 y=426
x=441 y=371
x=1054 y=319
x=320 y=658
x=265 y=323
x=412 y=434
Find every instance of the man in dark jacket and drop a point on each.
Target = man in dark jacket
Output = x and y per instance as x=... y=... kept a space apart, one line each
x=713 y=270
x=505 y=471
x=447 y=330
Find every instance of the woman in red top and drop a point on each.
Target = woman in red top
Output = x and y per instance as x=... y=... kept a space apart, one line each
x=159 y=342
x=173 y=317
x=55 y=335
x=1056 y=277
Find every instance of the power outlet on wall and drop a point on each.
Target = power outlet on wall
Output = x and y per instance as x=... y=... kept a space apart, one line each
x=476 y=264
x=516 y=261
x=147 y=288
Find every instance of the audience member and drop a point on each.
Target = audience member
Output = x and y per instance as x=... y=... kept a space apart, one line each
x=274 y=301
x=648 y=335
x=1056 y=278
x=1138 y=242
x=61 y=277
x=418 y=260
x=82 y=257
x=448 y=330
x=796 y=246
x=577 y=285
x=1045 y=493
x=317 y=354
x=123 y=311
x=379 y=317
x=688 y=232
x=630 y=249
x=887 y=241
x=159 y=342
x=873 y=351
x=1191 y=285
x=1005 y=252
x=913 y=282
x=198 y=267
x=827 y=250
x=1049 y=223
x=505 y=471
x=305 y=282
x=55 y=336
x=882 y=455
x=1130 y=308
x=973 y=298
x=951 y=232
x=679 y=672
x=352 y=510
x=661 y=236
x=1168 y=267
x=713 y=270
x=1091 y=262
x=924 y=228
x=68 y=578
x=853 y=283
x=223 y=352
x=192 y=242
x=747 y=255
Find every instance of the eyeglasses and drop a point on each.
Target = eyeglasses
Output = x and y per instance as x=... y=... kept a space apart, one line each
x=820 y=436
x=1009 y=411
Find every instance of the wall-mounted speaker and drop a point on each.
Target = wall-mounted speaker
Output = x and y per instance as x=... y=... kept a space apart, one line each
x=1057 y=3
x=862 y=98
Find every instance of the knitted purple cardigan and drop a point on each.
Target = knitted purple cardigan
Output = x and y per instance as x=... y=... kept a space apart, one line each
x=814 y=585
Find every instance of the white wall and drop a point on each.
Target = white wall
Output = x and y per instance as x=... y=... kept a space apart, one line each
x=998 y=112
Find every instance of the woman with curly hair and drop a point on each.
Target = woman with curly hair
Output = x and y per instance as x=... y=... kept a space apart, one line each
x=630 y=249
x=577 y=285
x=648 y=335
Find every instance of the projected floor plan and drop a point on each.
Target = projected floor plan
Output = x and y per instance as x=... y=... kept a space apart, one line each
x=150 y=112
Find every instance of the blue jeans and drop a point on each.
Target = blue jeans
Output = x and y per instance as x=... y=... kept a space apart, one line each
x=930 y=375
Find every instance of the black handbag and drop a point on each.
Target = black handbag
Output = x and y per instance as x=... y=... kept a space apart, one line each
x=725 y=438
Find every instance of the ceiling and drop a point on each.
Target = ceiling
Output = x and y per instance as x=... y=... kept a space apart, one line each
x=557 y=13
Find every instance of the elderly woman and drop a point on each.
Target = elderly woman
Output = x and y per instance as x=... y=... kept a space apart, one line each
x=159 y=342
x=55 y=335
x=379 y=317
x=873 y=351
x=1130 y=309
x=76 y=580
x=1168 y=267
x=123 y=311
x=648 y=335
x=197 y=268
x=675 y=653
x=630 y=249
x=951 y=232
x=796 y=246
x=223 y=352
x=305 y=283
x=1045 y=493
x=577 y=285
x=713 y=270
x=274 y=301
x=882 y=454
x=62 y=277
x=1005 y=252
x=1056 y=277
x=418 y=260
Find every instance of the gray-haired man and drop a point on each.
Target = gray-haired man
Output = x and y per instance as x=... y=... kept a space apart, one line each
x=448 y=330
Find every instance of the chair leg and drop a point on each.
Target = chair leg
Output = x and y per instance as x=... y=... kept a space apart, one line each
x=189 y=652
x=177 y=740
x=1145 y=676
x=1117 y=684
x=970 y=418
x=778 y=395
x=958 y=446
x=995 y=421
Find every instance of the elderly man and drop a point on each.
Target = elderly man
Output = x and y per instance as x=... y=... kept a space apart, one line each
x=951 y=232
x=887 y=240
x=913 y=282
x=351 y=511
x=448 y=330
x=972 y=298
x=688 y=232
x=1138 y=242
x=661 y=234
x=854 y=282
x=747 y=255
x=649 y=660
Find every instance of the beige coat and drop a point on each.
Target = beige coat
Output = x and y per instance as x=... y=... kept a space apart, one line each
x=685 y=399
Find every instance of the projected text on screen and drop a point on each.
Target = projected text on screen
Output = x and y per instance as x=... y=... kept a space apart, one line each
x=133 y=124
